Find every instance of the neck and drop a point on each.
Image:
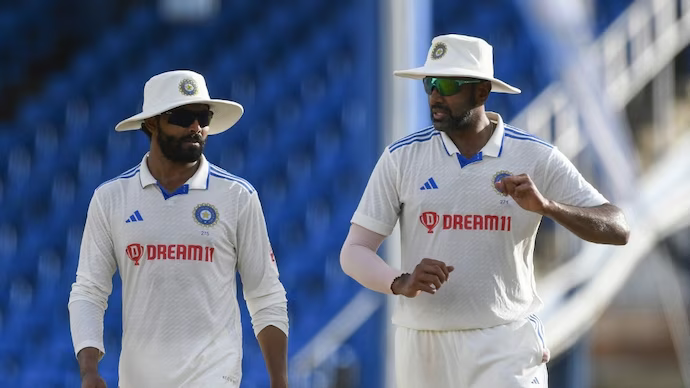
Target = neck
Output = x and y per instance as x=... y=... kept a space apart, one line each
x=170 y=175
x=471 y=138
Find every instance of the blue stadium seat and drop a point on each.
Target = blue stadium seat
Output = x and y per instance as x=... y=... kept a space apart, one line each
x=293 y=68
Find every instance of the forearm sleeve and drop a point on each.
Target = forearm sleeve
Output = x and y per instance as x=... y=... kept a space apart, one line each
x=359 y=260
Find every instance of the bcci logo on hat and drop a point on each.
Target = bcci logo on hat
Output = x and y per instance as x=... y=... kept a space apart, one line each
x=188 y=87
x=439 y=50
x=497 y=178
x=429 y=220
x=206 y=214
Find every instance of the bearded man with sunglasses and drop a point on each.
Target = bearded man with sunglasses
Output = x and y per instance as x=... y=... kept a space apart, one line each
x=178 y=228
x=469 y=193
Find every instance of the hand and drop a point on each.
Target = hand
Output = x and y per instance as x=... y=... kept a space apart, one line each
x=524 y=192
x=92 y=380
x=428 y=276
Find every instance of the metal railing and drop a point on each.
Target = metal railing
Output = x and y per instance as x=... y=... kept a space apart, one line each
x=634 y=49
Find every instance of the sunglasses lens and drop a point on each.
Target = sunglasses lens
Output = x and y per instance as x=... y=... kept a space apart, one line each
x=447 y=87
x=181 y=118
x=428 y=85
x=204 y=118
x=185 y=118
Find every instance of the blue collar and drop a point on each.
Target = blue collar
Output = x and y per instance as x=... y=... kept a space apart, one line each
x=198 y=181
x=493 y=147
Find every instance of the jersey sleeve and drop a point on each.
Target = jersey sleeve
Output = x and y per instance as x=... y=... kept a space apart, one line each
x=94 y=283
x=380 y=205
x=263 y=291
x=565 y=184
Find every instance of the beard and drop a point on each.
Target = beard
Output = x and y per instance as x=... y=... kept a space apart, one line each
x=180 y=149
x=451 y=122
x=455 y=123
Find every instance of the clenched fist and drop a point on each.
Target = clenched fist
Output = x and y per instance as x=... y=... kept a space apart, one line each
x=525 y=193
x=428 y=276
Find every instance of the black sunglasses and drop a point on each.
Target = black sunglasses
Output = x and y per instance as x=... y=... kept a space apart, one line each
x=184 y=118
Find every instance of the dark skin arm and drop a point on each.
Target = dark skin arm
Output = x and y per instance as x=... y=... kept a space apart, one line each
x=603 y=224
x=88 y=368
x=273 y=344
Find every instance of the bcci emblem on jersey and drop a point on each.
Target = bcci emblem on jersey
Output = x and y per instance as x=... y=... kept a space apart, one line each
x=206 y=214
x=497 y=178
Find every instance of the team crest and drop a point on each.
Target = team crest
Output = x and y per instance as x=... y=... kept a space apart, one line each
x=439 y=50
x=188 y=87
x=206 y=214
x=497 y=178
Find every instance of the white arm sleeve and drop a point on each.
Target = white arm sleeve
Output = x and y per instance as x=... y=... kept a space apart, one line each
x=359 y=260
x=86 y=323
x=256 y=264
x=565 y=184
x=89 y=296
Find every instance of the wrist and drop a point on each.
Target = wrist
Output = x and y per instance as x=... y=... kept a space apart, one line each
x=397 y=282
x=86 y=371
x=550 y=207
x=88 y=361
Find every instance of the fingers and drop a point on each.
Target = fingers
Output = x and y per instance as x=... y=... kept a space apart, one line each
x=510 y=184
x=516 y=179
x=437 y=263
x=430 y=279
x=437 y=272
x=426 y=288
x=522 y=190
x=441 y=272
x=430 y=274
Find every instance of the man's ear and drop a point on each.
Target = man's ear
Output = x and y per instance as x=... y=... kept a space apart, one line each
x=150 y=125
x=482 y=92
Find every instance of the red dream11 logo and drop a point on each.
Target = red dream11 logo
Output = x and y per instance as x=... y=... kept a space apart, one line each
x=429 y=220
x=134 y=252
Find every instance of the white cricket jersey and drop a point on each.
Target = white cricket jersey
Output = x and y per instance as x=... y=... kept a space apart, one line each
x=449 y=210
x=178 y=254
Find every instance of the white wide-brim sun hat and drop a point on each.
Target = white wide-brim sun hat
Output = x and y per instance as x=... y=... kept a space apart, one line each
x=173 y=89
x=459 y=56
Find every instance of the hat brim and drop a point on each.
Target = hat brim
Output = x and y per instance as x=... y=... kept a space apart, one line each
x=225 y=115
x=497 y=85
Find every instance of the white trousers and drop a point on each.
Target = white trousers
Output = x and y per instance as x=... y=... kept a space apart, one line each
x=505 y=356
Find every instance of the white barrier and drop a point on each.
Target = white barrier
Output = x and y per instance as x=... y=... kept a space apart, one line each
x=577 y=293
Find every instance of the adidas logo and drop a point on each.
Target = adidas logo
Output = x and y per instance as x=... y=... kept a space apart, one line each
x=135 y=217
x=429 y=185
x=535 y=381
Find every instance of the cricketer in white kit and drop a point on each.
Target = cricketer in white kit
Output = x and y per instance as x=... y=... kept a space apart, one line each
x=469 y=193
x=178 y=229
